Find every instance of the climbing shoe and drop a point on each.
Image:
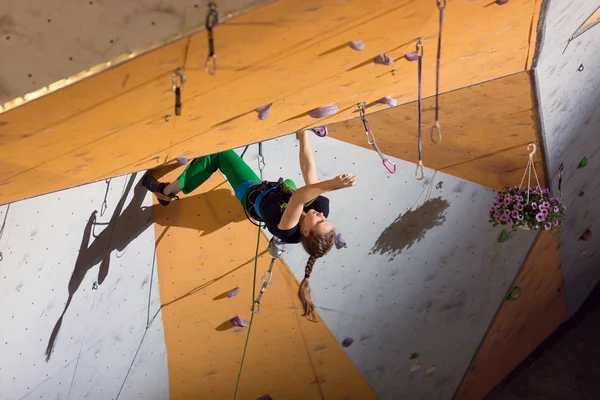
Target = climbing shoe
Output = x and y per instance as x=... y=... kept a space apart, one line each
x=156 y=187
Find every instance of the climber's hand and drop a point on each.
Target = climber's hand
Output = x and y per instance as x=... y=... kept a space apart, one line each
x=343 y=181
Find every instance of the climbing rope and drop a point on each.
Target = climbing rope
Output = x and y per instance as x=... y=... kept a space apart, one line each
x=441 y=6
x=530 y=166
x=371 y=140
x=212 y=19
x=420 y=172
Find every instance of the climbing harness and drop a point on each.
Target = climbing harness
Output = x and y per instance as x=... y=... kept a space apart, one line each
x=530 y=166
x=420 y=171
x=212 y=19
x=561 y=170
x=441 y=6
x=177 y=88
x=371 y=140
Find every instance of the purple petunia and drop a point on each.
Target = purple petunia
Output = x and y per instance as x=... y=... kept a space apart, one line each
x=548 y=226
x=521 y=217
x=519 y=198
x=534 y=205
x=556 y=208
x=546 y=204
x=519 y=207
x=515 y=214
x=540 y=217
x=498 y=219
x=507 y=200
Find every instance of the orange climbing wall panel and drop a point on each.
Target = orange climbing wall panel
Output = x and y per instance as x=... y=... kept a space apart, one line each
x=486 y=129
x=290 y=53
x=205 y=248
x=520 y=325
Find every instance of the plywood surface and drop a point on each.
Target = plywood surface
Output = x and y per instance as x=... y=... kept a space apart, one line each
x=521 y=325
x=206 y=248
x=288 y=54
x=486 y=129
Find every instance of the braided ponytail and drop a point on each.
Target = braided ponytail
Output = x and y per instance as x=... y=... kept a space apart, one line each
x=316 y=245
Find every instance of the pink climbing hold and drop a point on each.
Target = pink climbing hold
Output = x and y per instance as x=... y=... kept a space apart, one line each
x=384 y=59
x=585 y=236
x=357 y=45
x=233 y=292
x=347 y=342
x=390 y=101
x=264 y=111
x=412 y=56
x=182 y=160
x=320 y=131
x=501 y=2
x=340 y=243
x=237 y=321
x=324 y=111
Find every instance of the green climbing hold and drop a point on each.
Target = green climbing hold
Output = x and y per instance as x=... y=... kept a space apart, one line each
x=414 y=355
x=503 y=236
x=582 y=163
x=515 y=293
x=581 y=193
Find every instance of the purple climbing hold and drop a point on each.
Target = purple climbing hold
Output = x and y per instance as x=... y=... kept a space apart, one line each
x=412 y=56
x=356 y=45
x=340 y=242
x=347 y=342
x=324 y=111
x=182 y=160
x=390 y=101
x=585 y=236
x=264 y=111
x=237 y=321
x=384 y=59
x=233 y=292
x=501 y=2
x=267 y=397
x=320 y=131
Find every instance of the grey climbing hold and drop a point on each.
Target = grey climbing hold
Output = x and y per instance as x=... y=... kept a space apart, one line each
x=412 y=56
x=264 y=111
x=383 y=59
x=357 y=45
x=340 y=242
x=390 y=101
x=347 y=342
x=237 y=321
x=233 y=292
x=324 y=111
x=182 y=160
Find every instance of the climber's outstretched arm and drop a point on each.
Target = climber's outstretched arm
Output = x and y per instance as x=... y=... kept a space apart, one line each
x=307 y=160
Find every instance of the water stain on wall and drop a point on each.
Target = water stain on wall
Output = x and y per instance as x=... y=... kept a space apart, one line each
x=410 y=227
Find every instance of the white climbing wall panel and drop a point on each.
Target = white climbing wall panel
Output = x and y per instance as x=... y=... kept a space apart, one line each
x=103 y=349
x=423 y=271
x=47 y=41
x=569 y=95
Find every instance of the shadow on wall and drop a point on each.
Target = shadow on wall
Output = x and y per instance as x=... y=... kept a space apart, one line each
x=125 y=226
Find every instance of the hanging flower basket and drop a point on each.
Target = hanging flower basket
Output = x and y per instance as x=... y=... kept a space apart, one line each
x=528 y=208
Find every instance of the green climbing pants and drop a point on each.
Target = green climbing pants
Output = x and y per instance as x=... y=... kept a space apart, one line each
x=231 y=165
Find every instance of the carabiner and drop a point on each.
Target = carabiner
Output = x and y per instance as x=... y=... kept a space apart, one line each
x=437 y=128
x=212 y=19
x=388 y=161
x=177 y=88
x=421 y=169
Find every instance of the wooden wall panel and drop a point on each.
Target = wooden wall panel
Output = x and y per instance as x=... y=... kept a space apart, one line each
x=521 y=325
x=283 y=53
x=205 y=248
x=486 y=129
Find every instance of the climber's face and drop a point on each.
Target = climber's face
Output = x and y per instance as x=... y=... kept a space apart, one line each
x=316 y=222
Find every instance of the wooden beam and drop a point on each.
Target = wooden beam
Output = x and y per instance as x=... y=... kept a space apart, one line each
x=290 y=54
x=521 y=325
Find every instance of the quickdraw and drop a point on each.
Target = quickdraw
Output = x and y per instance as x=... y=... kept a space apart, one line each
x=261 y=160
x=420 y=172
x=371 y=140
x=212 y=19
x=441 y=6
x=177 y=88
x=561 y=170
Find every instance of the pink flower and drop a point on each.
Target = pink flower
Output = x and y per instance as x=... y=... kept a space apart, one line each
x=540 y=217
x=548 y=226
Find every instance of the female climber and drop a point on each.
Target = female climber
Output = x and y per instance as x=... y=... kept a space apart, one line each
x=292 y=215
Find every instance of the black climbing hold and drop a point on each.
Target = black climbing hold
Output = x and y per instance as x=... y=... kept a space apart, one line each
x=585 y=236
x=580 y=68
x=414 y=355
x=581 y=193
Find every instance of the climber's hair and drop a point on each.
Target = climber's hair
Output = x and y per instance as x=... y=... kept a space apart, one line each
x=316 y=245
